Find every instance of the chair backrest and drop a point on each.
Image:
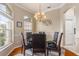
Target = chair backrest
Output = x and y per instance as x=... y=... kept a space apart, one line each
x=41 y=32
x=59 y=43
x=56 y=36
x=23 y=40
x=38 y=41
x=28 y=35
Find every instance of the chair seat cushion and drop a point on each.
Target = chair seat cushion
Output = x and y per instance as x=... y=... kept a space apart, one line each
x=52 y=46
x=29 y=46
x=38 y=50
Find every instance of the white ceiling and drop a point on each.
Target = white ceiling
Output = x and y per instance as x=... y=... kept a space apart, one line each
x=34 y=7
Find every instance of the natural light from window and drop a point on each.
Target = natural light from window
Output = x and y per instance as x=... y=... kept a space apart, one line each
x=6 y=26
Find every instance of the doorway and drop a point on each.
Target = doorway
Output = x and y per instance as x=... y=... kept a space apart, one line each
x=70 y=27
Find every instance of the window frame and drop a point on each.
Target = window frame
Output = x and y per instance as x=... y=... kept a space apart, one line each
x=27 y=29
x=11 y=19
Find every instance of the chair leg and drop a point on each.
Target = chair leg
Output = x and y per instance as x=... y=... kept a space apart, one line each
x=24 y=52
x=32 y=53
x=47 y=52
x=60 y=52
x=22 y=49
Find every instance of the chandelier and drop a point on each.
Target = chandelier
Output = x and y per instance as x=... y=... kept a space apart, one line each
x=40 y=16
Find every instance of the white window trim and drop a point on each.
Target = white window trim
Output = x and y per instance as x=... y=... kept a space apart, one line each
x=5 y=14
x=4 y=47
x=10 y=17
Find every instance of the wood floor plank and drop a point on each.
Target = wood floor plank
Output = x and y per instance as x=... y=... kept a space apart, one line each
x=15 y=51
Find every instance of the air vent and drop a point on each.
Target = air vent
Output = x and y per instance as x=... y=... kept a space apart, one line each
x=48 y=7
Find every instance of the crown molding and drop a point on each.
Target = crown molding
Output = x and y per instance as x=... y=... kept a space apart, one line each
x=28 y=10
x=32 y=12
x=54 y=8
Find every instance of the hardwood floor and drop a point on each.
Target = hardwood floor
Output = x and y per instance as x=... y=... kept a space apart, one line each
x=18 y=51
x=69 y=53
x=15 y=51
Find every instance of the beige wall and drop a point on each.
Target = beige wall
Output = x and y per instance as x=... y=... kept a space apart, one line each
x=34 y=25
x=77 y=26
x=54 y=16
x=77 y=22
x=18 y=16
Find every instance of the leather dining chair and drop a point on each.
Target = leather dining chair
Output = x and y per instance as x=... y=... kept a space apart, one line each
x=54 y=42
x=55 y=46
x=24 y=45
x=39 y=43
x=29 y=39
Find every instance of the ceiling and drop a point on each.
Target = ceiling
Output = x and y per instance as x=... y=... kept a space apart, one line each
x=34 y=7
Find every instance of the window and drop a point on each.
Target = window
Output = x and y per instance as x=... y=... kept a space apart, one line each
x=6 y=25
x=27 y=24
x=4 y=8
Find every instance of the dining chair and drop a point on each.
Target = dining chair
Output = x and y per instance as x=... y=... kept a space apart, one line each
x=54 y=42
x=24 y=45
x=57 y=47
x=39 y=43
x=29 y=39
